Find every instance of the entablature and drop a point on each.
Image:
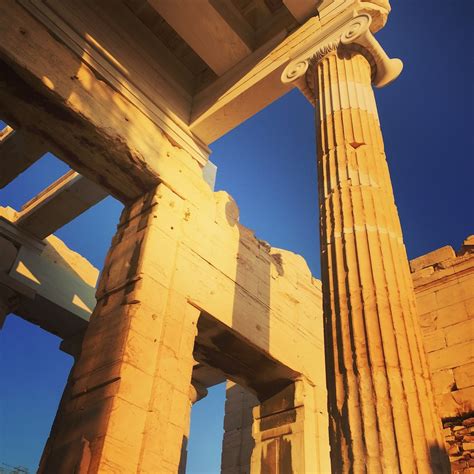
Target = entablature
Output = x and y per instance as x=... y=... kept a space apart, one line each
x=197 y=67
x=127 y=82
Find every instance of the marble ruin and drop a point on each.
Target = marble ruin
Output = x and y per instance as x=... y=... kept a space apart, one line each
x=370 y=370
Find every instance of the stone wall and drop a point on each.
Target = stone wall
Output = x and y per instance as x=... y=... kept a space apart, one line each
x=459 y=436
x=184 y=281
x=444 y=287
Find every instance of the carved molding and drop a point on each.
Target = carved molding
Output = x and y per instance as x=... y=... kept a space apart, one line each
x=355 y=33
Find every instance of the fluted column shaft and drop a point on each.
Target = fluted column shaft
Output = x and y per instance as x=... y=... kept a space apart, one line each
x=381 y=408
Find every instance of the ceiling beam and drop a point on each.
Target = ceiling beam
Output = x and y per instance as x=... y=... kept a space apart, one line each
x=55 y=285
x=58 y=204
x=18 y=150
x=212 y=29
x=302 y=9
x=241 y=93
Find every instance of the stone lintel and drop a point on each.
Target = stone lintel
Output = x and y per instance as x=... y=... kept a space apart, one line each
x=18 y=150
x=36 y=271
x=59 y=204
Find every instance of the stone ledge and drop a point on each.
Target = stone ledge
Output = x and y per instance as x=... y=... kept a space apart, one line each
x=467 y=245
x=443 y=257
x=443 y=264
x=432 y=258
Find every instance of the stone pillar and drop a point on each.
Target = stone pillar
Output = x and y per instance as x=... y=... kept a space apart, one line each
x=130 y=386
x=238 y=442
x=196 y=392
x=71 y=346
x=382 y=415
x=286 y=432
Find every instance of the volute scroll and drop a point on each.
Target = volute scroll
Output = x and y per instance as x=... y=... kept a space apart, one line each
x=356 y=32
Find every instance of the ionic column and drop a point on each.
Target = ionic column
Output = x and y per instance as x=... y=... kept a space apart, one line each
x=382 y=415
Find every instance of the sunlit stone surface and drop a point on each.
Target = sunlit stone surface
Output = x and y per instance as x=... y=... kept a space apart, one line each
x=343 y=376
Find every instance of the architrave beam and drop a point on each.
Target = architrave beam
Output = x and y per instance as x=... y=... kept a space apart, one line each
x=256 y=81
x=250 y=87
x=106 y=136
x=55 y=286
x=58 y=204
x=18 y=150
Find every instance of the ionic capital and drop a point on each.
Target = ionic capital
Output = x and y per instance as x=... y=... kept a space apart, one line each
x=354 y=34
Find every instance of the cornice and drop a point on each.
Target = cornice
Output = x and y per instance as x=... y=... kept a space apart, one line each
x=354 y=33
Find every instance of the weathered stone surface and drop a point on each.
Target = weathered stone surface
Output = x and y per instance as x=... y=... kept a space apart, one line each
x=55 y=285
x=459 y=443
x=444 y=301
x=443 y=380
x=468 y=422
x=450 y=357
x=180 y=252
x=149 y=371
x=445 y=313
x=434 y=341
x=467 y=246
x=452 y=313
x=137 y=354
x=432 y=258
x=238 y=442
x=289 y=430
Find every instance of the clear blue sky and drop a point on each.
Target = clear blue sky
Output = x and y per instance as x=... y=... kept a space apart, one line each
x=268 y=165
